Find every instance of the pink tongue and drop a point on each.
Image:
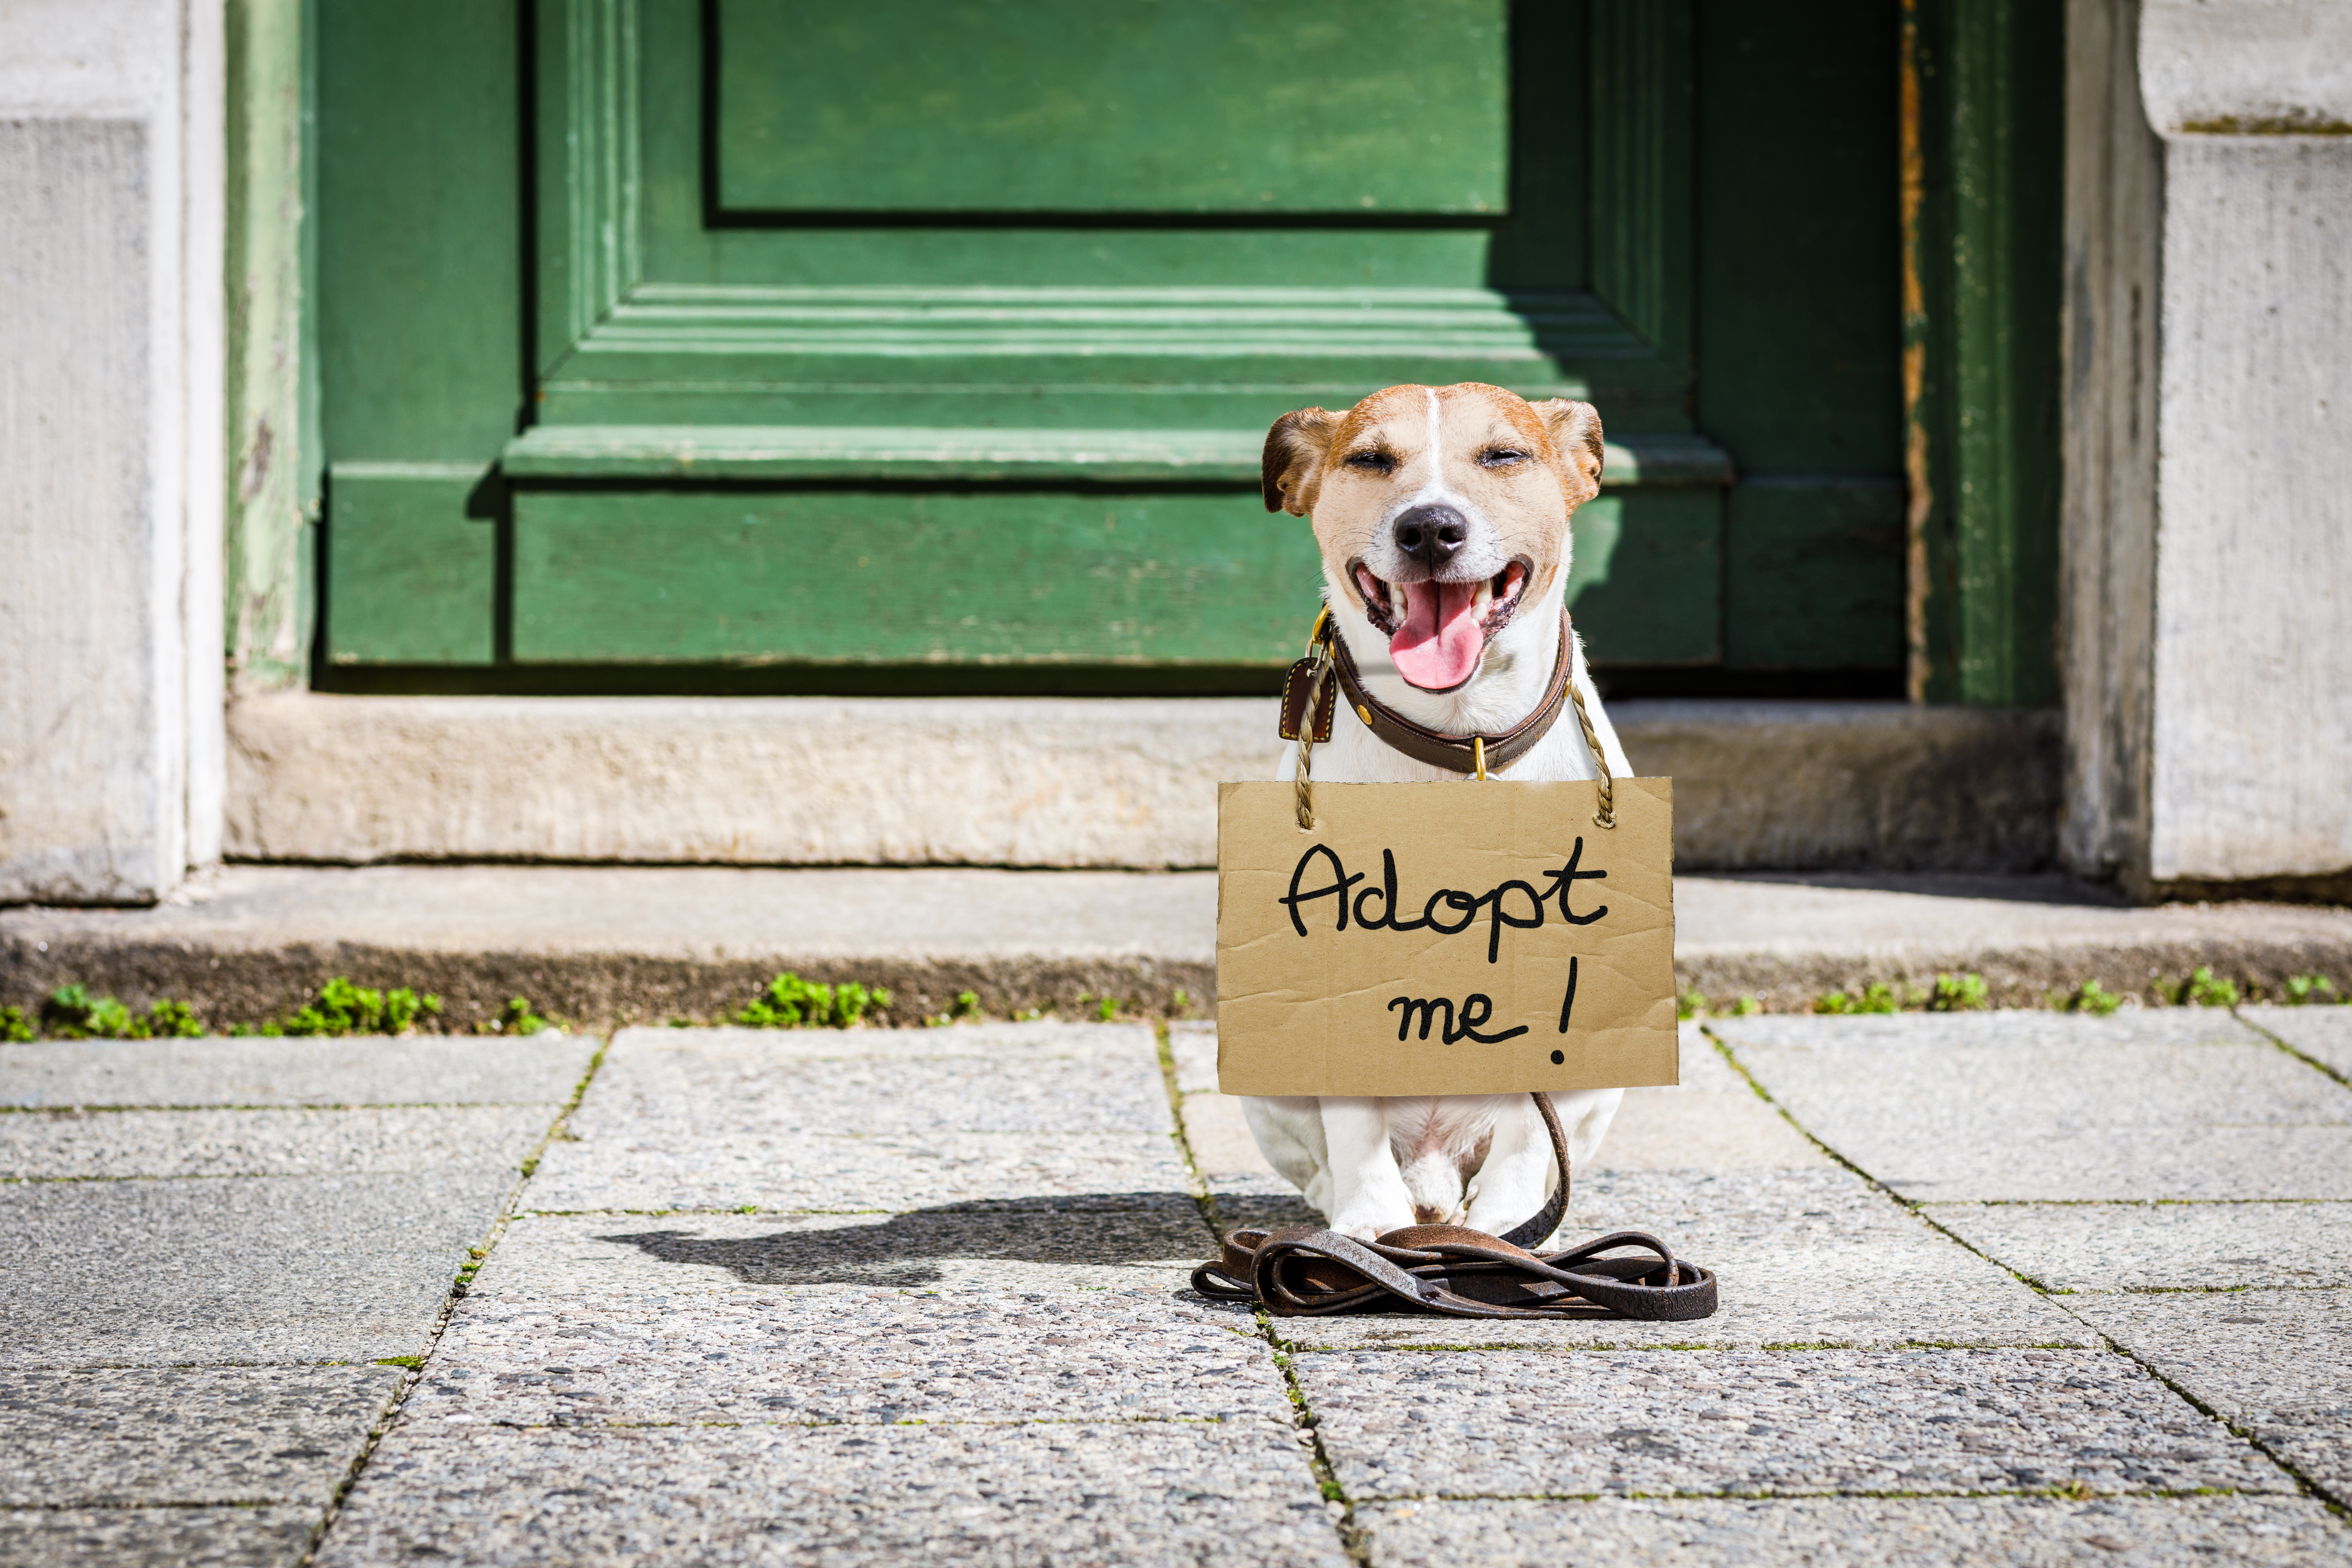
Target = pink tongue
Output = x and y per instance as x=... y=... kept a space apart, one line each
x=1439 y=644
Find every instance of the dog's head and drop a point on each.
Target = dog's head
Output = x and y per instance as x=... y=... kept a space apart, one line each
x=1440 y=512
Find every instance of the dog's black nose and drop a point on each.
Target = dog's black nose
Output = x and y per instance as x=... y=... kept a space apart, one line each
x=1432 y=534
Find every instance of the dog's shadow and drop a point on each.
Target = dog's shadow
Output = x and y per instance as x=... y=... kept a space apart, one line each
x=912 y=1249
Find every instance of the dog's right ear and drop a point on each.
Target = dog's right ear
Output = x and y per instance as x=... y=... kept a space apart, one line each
x=1292 y=466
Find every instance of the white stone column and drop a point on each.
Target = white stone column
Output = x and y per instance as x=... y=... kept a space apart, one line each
x=111 y=447
x=2209 y=500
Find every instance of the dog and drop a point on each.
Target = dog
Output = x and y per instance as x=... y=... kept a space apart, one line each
x=1442 y=518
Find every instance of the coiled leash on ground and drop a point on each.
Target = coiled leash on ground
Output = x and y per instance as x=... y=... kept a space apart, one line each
x=1301 y=1272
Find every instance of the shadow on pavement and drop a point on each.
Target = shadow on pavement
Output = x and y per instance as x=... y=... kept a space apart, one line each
x=1097 y=1230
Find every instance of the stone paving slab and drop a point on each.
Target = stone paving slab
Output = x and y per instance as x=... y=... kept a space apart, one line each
x=1859 y=1532
x=2278 y=1362
x=348 y=1268
x=185 y=1434
x=940 y=1315
x=956 y=1249
x=2163 y=1246
x=1052 y=1492
x=845 y=1175
x=413 y=1069
x=724 y=1118
x=2243 y=1352
x=1803 y=1257
x=1418 y=1424
x=1193 y=1045
x=155 y=1537
x=751 y=1083
x=1691 y=1129
x=2184 y=1103
x=277 y=1143
x=997 y=1039
x=869 y=1356
x=2323 y=1033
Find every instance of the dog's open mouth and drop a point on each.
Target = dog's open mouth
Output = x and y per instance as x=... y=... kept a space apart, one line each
x=1437 y=632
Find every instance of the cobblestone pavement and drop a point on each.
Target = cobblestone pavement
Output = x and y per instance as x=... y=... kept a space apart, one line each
x=2006 y=1288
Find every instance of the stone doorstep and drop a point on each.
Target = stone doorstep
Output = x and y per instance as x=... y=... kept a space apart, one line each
x=599 y=945
x=1052 y=781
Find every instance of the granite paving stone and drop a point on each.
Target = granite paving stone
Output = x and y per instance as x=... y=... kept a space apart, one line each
x=2278 y=1362
x=274 y=1143
x=888 y=1119
x=2323 y=1034
x=348 y=1268
x=1712 y=1121
x=266 y=1537
x=1002 y=1078
x=1501 y=1423
x=957 y=1248
x=1060 y=1492
x=844 y=1356
x=1858 y=1532
x=986 y=1315
x=185 y=1434
x=2176 y=1247
x=2145 y=1104
x=812 y=1173
x=1802 y=1257
x=1193 y=1044
x=409 y=1069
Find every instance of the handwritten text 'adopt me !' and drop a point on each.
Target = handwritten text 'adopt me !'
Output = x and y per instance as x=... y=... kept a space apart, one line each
x=1478 y=1007
x=1445 y=939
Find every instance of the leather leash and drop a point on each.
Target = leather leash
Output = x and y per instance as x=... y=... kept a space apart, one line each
x=1304 y=1271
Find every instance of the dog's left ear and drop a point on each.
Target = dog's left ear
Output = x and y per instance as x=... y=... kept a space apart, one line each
x=1576 y=431
x=1292 y=468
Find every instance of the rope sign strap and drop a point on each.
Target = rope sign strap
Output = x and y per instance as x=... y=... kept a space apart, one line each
x=1301 y=1272
x=1309 y=699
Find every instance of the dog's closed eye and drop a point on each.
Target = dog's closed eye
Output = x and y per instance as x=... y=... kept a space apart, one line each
x=1501 y=458
x=1371 y=462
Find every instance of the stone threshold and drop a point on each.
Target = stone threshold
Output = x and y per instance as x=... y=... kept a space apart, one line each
x=1109 y=783
x=601 y=945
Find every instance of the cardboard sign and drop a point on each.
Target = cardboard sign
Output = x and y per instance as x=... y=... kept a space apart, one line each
x=1455 y=938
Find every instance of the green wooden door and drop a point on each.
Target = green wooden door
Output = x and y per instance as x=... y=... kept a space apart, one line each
x=928 y=345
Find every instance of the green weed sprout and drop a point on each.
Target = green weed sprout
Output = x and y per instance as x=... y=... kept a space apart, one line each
x=71 y=1013
x=792 y=1003
x=1959 y=994
x=515 y=1018
x=1875 y=997
x=2304 y=990
x=2201 y=990
x=2095 y=998
x=344 y=1009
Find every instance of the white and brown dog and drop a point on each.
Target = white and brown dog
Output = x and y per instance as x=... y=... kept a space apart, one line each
x=1442 y=516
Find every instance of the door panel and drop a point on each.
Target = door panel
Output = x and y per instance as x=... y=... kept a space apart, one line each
x=1818 y=563
x=410 y=565
x=1072 y=106
x=863 y=576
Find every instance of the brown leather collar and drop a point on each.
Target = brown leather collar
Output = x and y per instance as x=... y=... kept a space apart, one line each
x=1455 y=754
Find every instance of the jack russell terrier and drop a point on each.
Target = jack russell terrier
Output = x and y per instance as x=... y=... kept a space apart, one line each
x=1442 y=516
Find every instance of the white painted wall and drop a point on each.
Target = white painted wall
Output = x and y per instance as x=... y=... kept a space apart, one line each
x=110 y=484
x=2209 y=530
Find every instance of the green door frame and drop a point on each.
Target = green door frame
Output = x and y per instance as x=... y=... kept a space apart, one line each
x=1984 y=119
